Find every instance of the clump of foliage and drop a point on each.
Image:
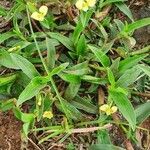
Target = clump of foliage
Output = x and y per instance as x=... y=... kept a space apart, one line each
x=63 y=62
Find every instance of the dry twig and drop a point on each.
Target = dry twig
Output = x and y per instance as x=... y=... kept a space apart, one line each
x=91 y=129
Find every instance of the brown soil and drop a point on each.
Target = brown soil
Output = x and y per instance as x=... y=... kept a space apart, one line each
x=140 y=10
x=10 y=128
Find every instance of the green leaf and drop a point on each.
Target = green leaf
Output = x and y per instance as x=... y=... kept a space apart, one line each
x=58 y=69
x=3 y=12
x=26 y=118
x=62 y=39
x=124 y=105
x=104 y=147
x=71 y=111
x=115 y=65
x=51 y=53
x=107 y=2
x=70 y=78
x=103 y=137
x=6 y=36
x=145 y=69
x=72 y=91
x=82 y=23
x=81 y=45
x=146 y=49
x=111 y=77
x=32 y=8
x=22 y=44
x=77 y=31
x=130 y=62
x=52 y=135
x=40 y=98
x=107 y=46
x=119 y=24
x=100 y=55
x=125 y=9
x=7 y=79
x=129 y=77
x=7 y=105
x=26 y=128
x=32 y=89
x=48 y=22
x=6 y=60
x=79 y=69
x=142 y=112
x=85 y=17
x=84 y=104
x=102 y=29
x=26 y=66
x=137 y=24
x=94 y=80
x=48 y=102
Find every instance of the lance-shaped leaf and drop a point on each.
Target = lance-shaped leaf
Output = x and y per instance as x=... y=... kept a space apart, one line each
x=129 y=77
x=137 y=24
x=32 y=89
x=100 y=55
x=145 y=69
x=105 y=147
x=26 y=66
x=124 y=105
x=142 y=112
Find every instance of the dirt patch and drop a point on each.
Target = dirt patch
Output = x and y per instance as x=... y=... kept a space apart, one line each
x=140 y=10
x=146 y=136
x=10 y=128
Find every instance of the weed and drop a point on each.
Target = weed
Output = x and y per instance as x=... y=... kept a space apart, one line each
x=66 y=65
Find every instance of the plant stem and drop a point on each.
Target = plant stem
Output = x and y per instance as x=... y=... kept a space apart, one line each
x=141 y=51
x=36 y=44
x=142 y=94
x=44 y=64
x=97 y=67
x=58 y=96
x=51 y=136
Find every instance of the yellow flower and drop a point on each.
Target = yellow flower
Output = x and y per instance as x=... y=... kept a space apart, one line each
x=43 y=10
x=79 y=4
x=48 y=114
x=41 y=14
x=85 y=4
x=91 y=3
x=108 y=109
